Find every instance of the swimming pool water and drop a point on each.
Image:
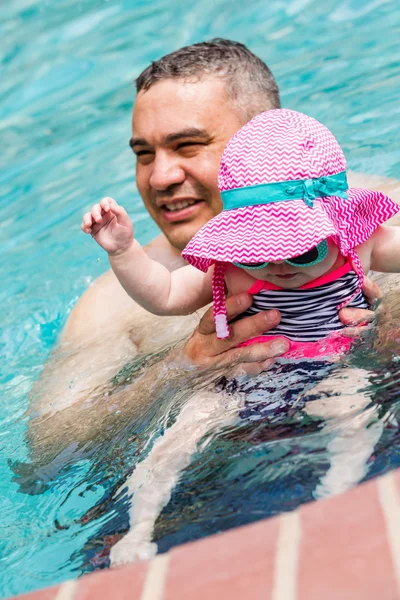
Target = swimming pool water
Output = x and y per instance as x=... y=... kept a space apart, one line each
x=66 y=92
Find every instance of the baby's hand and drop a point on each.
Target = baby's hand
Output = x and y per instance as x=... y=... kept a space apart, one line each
x=109 y=224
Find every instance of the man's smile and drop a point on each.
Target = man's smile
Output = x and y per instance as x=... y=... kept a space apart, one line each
x=180 y=209
x=178 y=205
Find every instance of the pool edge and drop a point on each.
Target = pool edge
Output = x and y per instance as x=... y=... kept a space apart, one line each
x=346 y=546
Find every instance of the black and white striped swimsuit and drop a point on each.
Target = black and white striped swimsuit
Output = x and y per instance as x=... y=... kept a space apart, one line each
x=308 y=313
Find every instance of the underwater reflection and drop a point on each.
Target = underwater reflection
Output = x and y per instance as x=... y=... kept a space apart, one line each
x=234 y=450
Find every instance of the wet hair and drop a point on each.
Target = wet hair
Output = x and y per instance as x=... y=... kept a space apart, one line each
x=248 y=81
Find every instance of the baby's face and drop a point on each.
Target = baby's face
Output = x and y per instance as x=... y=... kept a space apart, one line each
x=290 y=276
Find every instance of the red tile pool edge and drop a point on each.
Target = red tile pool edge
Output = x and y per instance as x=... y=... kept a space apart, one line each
x=344 y=547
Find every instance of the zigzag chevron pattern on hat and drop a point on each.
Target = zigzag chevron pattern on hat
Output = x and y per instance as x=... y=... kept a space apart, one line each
x=245 y=235
x=279 y=145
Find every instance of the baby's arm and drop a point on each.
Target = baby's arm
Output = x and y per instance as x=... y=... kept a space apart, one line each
x=148 y=282
x=384 y=247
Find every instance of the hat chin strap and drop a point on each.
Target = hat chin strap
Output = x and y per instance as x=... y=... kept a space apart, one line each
x=218 y=288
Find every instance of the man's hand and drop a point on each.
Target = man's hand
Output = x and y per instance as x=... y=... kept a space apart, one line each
x=205 y=350
x=351 y=317
x=109 y=224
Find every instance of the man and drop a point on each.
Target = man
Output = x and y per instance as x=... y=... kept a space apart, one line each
x=188 y=105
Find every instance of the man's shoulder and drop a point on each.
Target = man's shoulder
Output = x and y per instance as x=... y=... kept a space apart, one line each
x=106 y=305
x=387 y=185
x=100 y=307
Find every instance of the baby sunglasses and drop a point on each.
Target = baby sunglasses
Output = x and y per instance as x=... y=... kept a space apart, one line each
x=308 y=259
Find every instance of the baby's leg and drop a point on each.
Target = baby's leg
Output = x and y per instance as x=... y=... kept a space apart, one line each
x=341 y=394
x=349 y=451
x=355 y=430
x=153 y=479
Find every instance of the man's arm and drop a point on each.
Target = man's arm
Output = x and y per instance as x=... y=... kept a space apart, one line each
x=105 y=331
x=107 y=409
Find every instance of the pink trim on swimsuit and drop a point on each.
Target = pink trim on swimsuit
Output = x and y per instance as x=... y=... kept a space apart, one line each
x=333 y=344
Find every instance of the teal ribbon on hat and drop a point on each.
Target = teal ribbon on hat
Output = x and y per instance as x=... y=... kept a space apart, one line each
x=300 y=189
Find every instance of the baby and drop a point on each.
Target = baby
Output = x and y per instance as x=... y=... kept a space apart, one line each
x=291 y=233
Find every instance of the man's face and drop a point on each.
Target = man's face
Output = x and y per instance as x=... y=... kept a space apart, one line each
x=179 y=133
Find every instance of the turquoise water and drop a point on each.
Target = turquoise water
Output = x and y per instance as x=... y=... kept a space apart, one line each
x=65 y=99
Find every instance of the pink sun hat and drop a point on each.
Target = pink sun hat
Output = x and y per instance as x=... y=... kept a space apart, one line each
x=284 y=189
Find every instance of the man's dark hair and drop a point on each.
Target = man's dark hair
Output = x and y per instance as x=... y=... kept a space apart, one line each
x=248 y=81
